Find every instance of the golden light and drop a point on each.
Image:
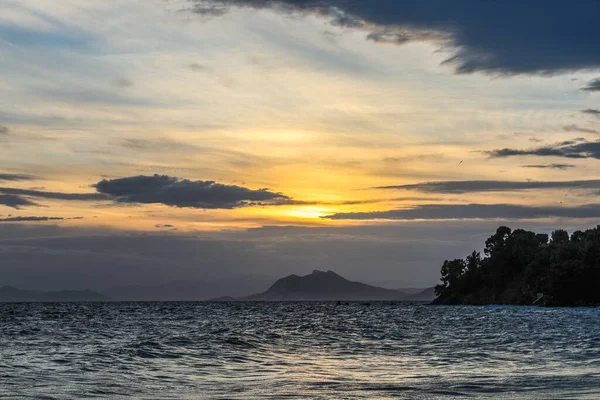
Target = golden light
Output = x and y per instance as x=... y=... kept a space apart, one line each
x=307 y=212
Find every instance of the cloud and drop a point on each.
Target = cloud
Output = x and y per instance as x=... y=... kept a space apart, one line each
x=474 y=211
x=459 y=187
x=177 y=192
x=31 y=219
x=198 y=67
x=53 y=195
x=158 y=145
x=122 y=83
x=406 y=37
x=166 y=190
x=13 y=201
x=565 y=149
x=92 y=96
x=591 y=111
x=16 y=177
x=592 y=86
x=575 y=128
x=541 y=151
x=496 y=37
x=550 y=166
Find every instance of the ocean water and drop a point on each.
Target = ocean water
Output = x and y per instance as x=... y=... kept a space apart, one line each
x=297 y=350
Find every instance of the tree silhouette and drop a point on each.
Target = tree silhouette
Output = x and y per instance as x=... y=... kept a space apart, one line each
x=519 y=265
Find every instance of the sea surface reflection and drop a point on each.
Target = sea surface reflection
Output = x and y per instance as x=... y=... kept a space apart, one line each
x=297 y=350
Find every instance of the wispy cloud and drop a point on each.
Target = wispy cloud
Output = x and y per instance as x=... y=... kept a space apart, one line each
x=159 y=144
x=31 y=219
x=13 y=201
x=17 y=177
x=122 y=83
x=164 y=226
x=407 y=36
x=591 y=111
x=592 y=86
x=94 y=96
x=575 y=128
x=565 y=149
x=474 y=211
x=550 y=166
x=53 y=195
x=459 y=187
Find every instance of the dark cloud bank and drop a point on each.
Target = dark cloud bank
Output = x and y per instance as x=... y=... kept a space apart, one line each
x=171 y=191
x=177 y=192
x=155 y=189
x=497 y=37
x=459 y=187
x=475 y=211
x=568 y=149
x=50 y=257
x=403 y=254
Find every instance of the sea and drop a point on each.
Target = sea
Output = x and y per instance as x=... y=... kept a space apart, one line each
x=297 y=350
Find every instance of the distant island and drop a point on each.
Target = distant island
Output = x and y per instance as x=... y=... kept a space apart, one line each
x=321 y=285
x=525 y=268
x=317 y=286
x=329 y=286
x=13 y=294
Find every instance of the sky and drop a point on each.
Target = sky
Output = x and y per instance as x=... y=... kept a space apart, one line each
x=165 y=140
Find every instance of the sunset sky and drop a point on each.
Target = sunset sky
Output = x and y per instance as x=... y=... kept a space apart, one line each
x=296 y=130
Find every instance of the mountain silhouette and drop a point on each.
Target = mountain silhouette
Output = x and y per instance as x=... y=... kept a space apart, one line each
x=321 y=285
x=13 y=294
x=424 y=295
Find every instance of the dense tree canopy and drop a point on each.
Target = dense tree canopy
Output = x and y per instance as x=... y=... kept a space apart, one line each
x=520 y=267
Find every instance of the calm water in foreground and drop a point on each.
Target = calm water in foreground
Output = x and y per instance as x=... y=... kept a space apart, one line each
x=297 y=350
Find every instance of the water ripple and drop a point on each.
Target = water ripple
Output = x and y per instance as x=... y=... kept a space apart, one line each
x=297 y=350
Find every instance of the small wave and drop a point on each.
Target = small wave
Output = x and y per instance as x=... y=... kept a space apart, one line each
x=298 y=350
x=234 y=341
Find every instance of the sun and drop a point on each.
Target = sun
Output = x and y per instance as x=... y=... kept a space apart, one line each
x=307 y=212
